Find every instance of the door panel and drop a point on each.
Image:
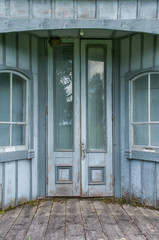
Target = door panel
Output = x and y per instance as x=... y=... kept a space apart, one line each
x=80 y=119
x=96 y=117
x=64 y=119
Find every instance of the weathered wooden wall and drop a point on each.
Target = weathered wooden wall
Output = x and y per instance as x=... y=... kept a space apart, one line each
x=18 y=178
x=139 y=178
x=80 y=9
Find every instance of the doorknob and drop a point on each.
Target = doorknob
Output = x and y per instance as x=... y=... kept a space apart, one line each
x=83 y=152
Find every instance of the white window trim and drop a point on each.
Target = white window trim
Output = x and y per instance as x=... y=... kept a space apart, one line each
x=149 y=147
x=12 y=148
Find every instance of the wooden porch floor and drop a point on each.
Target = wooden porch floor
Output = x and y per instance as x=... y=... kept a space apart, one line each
x=79 y=219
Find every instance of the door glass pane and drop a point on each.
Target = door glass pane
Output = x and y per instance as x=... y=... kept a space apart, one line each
x=154 y=97
x=18 y=135
x=4 y=97
x=19 y=99
x=4 y=134
x=63 y=96
x=140 y=99
x=96 y=98
x=140 y=135
x=154 y=135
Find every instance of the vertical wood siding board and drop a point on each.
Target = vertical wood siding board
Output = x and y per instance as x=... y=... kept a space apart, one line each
x=86 y=9
x=64 y=9
x=42 y=120
x=118 y=10
x=135 y=52
x=154 y=49
x=148 y=9
x=157 y=8
x=4 y=49
x=96 y=10
x=17 y=50
x=107 y=9
x=130 y=180
x=19 y=8
x=142 y=50
x=157 y=52
x=2 y=8
x=3 y=185
x=52 y=8
x=128 y=9
x=10 y=184
x=23 y=180
x=148 y=51
x=11 y=49
x=24 y=51
x=157 y=185
x=116 y=123
x=42 y=8
x=30 y=166
x=148 y=183
x=75 y=9
x=142 y=189
x=34 y=161
x=136 y=176
x=30 y=8
x=1 y=49
x=7 y=7
x=124 y=67
x=16 y=175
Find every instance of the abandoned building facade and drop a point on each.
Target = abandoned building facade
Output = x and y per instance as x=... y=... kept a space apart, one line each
x=79 y=99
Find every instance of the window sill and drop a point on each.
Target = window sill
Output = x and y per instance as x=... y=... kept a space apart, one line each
x=16 y=155
x=142 y=155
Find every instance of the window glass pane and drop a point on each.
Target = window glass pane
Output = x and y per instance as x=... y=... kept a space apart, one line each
x=4 y=97
x=154 y=135
x=18 y=135
x=140 y=135
x=154 y=97
x=19 y=99
x=4 y=134
x=140 y=99
x=96 y=99
x=63 y=74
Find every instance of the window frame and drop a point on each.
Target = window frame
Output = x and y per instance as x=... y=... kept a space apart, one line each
x=149 y=147
x=11 y=148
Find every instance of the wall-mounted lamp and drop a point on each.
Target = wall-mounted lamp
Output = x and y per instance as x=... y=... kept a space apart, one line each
x=81 y=32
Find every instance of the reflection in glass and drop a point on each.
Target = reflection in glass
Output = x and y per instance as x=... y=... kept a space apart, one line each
x=154 y=135
x=4 y=97
x=140 y=134
x=140 y=99
x=18 y=135
x=63 y=74
x=154 y=97
x=4 y=134
x=96 y=99
x=19 y=99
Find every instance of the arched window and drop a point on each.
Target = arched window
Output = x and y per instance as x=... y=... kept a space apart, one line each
x=13 y=109
x=145 y=111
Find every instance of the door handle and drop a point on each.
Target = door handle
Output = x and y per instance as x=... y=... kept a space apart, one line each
x=83 y=152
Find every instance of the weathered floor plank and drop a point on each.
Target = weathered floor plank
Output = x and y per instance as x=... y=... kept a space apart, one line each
x=40 y=221
x=151 y=215
x=129 y=228
x=8 y=220
x=108 y=223
x=74 y=227
x=150 y=231
x=56 y=226
x=21 y=225
x=90 y=220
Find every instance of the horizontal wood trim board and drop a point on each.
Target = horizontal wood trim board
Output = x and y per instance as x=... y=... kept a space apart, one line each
x=144 y=156
x=27 y=24
x=13 y=156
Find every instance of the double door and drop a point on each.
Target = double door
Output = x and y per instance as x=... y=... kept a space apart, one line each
x=80 y=118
